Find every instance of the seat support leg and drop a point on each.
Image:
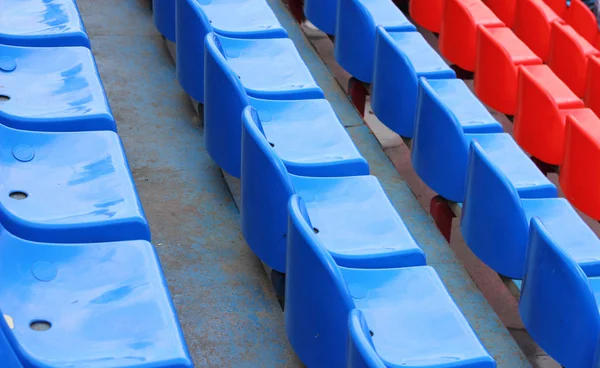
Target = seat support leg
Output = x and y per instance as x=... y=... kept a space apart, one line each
x=358 y=94
x=278 y=282
x=297 y=9
x=442 y=215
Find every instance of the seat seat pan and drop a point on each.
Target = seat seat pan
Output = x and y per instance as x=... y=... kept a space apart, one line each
x=469 y=112
x=107 y=304
x=426 y=61
x=387 y=14
x=50 y=23
x=518 y=168
x=568 y=229
x=270 y=68
x=78 y=187
x=52 y=89
x=518 y=52
x=242 y=18
x=357 y=223
x=560 y=92
x=413 y=319
x=290 y=127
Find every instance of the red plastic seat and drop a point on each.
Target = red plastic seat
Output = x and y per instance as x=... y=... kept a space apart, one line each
x=568 y=58
x=499 y=54
x=504 y=9
x=458 y=36
x=579 y=173
x=533 y=25
x=581 y=18
x=427 y=14
x=543 y=101
x=559 y=6
x=592 y=89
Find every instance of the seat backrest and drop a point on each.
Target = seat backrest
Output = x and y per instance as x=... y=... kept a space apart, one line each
x=225 y=98
x=316 y=294
x=504 y=9
x=322 y=13
x=8 y=357
x=533 y=25
x=557 y=304
x=361 y=352
x=582 y=19
x=265 y=183
x=192 y=27
x=427 y=14
x=559 y=6
x=493 y=220
x=592 y=89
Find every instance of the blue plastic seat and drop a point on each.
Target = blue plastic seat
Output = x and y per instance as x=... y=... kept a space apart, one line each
x=322 y=13
x=163 y=13
x=52 y=89
x=49 y=23
x=449 y=117
x=355 y=33
x=285 y=82
x=68 y=188
x=247 y=19
x=84 y=305
x=559 y=302
x=401 y=58
x=409 y=317
x=352 y=215
x=495 y=221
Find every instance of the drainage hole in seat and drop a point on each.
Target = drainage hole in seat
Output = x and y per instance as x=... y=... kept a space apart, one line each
x=40 y=325
x=272 y=144
x=18 y=195
x=4 y=98
x=371 y=332
x=315 y=230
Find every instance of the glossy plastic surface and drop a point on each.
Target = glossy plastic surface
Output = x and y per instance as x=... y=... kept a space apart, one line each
x=49 y=23
x=492 y=206
x=412 y=318
x=322 y=13
x=559 y=6
x=163 y=12
x=582 y=19
x=68 y=188
x=227 y=95
x=247 y=19
x=558 y=303
x=578 y=180
x=401 y=58
x=427 y=14
x=568 y=58
x=499 y=53
x=458 y=37
x=539 y=125
x=355 y=34
x=52 y=89
x=352 y=215
x=361 y=352
x=504 y=9
x=592 y=89
x=106 y=305
x=533 y=25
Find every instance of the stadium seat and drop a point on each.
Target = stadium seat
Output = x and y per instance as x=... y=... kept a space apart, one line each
x=449 y=118
x=352 y=215
x=543 y=104
x=48 y=23
x=458 y=37
x=579 y=179
x=94 y=304
x=289 y=124
x=322 y=13
x=163 y=12
x=68 y=188
x=247 y=19
x=559 y=6
x=568 y=58
x=533 y=25
x=401 y=58
x=592 y=90
x=499 y=54
x=355 y=34
x=52 y=89
x=582 y=19
x=504 y=9
x=559 y=300
x=407 y=316
x=495 y=220
x=427 y=14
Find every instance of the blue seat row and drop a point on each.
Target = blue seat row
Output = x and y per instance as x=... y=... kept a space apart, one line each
x=511 y=216
x=82 y=284
x=309 y=207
